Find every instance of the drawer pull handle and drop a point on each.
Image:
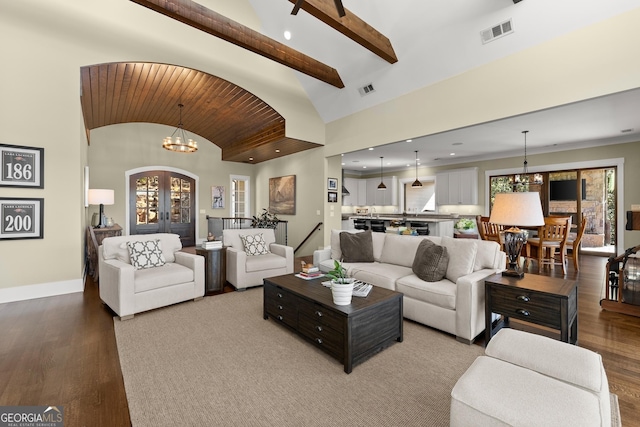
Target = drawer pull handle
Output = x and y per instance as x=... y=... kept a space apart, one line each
x=279 y=295
x=319 y=328
x=318 y=313
x=319 y=340
x=522 y=312
x=280 y=317
x=523 y=298
x=280 y=307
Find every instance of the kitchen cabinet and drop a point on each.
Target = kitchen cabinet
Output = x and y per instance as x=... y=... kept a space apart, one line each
x=457 y=187
x=357 y=192
x=388 y=197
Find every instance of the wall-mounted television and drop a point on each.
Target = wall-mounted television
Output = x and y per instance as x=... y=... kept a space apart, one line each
x=566 y=190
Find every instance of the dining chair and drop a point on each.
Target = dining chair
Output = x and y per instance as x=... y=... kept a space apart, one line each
x=573 y=243
x=489 y=230
x=550 y=245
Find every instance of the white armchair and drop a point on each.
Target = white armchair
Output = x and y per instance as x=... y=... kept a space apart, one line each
x=244 y=270
x=127 y=290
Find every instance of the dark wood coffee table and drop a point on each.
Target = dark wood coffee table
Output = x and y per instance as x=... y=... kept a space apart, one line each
x=541 y=300
x=350 y=333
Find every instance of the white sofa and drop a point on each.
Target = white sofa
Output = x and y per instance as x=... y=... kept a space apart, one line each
x=243 y=270
x=530 y=380
x=127 y=290
x=454 y=304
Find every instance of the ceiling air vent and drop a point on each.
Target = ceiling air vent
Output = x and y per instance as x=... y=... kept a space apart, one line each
x=500 y=30
x=366 y=90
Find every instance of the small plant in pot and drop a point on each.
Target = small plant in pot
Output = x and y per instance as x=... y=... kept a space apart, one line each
x=341 y=285
x=466 y=226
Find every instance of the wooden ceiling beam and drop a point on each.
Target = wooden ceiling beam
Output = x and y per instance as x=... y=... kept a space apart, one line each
x=204 y=19
x=351 y=26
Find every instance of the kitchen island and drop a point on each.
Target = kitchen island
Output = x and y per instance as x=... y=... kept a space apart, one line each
x=437 y=225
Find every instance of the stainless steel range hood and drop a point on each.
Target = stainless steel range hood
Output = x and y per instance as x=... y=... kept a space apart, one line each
x=345 y=192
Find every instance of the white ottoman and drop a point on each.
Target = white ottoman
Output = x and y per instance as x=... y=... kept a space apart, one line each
x=530 y=380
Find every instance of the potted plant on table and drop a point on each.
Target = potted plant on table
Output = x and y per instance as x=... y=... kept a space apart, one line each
x=341 y=285
x=466 y=226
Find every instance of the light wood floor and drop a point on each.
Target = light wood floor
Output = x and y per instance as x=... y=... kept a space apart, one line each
x=61 y=351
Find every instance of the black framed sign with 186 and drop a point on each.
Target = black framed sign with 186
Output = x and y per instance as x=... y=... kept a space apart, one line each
x=21 y=218
x=21 y=166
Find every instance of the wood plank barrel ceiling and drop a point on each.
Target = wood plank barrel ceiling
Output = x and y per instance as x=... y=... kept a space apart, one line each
x=241 y=124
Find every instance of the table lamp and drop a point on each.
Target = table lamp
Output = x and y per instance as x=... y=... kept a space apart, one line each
x=516 y=210
x=101 y=197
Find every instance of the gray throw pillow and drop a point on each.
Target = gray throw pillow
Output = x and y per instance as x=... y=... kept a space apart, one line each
x=431 y=261
x=356 y=247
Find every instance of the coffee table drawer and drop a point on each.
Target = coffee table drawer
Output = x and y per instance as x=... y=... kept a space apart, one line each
x=321 y=315
x=525 y=305
x=323 y=336
x=281 y=305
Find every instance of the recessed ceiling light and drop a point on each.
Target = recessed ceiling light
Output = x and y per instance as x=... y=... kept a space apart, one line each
x=277 y=151
x=287 y=35
x=343 y=164
x=370 y=148
x=364 y=167
x=251 y=159
x=409 y=140
x=452 y=154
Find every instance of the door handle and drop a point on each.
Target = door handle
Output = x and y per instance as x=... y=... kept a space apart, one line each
x=167 y=216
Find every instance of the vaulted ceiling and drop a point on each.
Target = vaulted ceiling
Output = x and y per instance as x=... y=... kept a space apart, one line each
x=397 y=47
x=245 y=127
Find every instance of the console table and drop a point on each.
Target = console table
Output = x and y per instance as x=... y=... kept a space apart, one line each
x=215 y=269
x=541 y=300
x=94 y=238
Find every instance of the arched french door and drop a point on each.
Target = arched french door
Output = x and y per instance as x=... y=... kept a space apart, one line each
x=163 y=202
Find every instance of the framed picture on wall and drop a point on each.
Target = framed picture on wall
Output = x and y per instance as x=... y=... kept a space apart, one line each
x=332 y=184
x=282 y=195
x=217 y=197
x=21 y=218
x=332 y=197
x=21 y=166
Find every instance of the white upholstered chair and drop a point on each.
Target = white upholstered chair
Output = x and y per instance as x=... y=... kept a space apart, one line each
x=128 y=290
x=245 y=270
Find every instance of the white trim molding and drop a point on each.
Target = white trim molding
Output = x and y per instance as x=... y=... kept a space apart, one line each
x=41 y=290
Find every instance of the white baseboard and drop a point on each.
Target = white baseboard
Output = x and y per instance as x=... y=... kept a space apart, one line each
x=41 y=290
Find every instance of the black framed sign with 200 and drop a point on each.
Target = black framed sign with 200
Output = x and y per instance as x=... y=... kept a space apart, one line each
x=21 y=166
x=21 y=218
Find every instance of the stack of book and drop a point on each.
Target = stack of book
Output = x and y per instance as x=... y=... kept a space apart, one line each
x=212 y=244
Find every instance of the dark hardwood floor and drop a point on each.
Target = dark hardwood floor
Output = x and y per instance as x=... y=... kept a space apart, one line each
x=62 y=351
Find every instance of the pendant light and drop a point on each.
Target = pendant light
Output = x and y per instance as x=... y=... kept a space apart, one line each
x=416 y=183
x=524 y=178
x=381 y=186
x=180 y=144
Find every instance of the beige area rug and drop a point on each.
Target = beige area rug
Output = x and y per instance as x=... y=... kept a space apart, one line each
x=217 y=362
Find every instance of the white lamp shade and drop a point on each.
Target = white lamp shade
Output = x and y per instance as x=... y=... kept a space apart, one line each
x=517 y=209
x=99 y=196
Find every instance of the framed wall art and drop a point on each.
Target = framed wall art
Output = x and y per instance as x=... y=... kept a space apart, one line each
x=282 y=195
x=21 y=166
x=332 y=197
x=21 y=218
x=217 y=197
x=332 y=184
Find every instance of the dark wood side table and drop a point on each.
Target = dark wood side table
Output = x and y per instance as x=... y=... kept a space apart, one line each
x=541 y=300
x=94 y=239
x=215 y=269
